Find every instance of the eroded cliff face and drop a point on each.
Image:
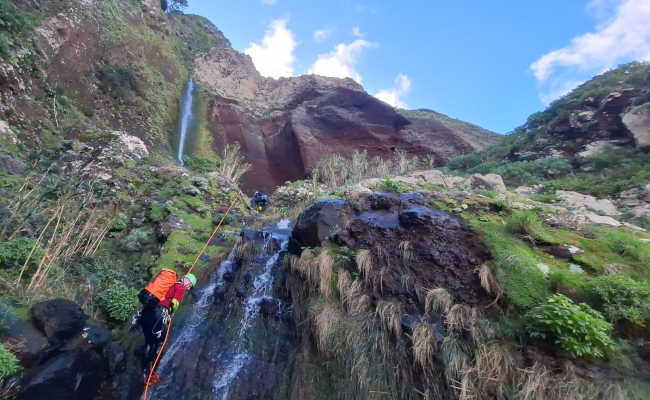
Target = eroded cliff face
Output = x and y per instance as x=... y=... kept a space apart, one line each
x=286 y=126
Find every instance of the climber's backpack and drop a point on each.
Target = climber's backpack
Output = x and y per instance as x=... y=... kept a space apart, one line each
x=161 y=283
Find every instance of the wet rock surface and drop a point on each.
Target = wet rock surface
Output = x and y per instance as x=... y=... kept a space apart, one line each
x=59 y=319
x=74 y=375
x=240 y=338
x=318 y=222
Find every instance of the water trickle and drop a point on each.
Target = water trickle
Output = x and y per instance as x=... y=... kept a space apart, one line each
x=214 y=348
x=186 y=118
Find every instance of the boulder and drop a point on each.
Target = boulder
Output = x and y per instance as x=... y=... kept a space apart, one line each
x=637 y=121
x=487 y=182
x=577 y=220
x=585 y=202
x=171 y=224
x=435 y=177
x=6 y=132
x=26 y=341
x=564 y=251
x=528 y=191
x=96 y=336
x=73 y=375
x=319 y=221
x=59 y=319
x=11 y=165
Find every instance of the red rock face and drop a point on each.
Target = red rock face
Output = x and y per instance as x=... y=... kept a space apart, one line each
x=289 y=142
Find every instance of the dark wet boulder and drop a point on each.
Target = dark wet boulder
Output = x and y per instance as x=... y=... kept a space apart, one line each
x=115 y=358
x=74 y=375
x=422 y=216
x=27 y=342
x=318 y=222
x=59 y=319
x=269 y=307
x=96 y=336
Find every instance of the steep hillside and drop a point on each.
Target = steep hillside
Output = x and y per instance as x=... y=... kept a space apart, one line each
x=594 y=141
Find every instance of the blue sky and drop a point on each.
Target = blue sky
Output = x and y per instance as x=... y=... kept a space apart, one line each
x=492 y=63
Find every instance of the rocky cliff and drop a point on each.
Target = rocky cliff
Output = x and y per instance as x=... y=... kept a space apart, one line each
x=286 y=126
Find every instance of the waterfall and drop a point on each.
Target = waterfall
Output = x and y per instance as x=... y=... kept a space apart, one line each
x=186 y=118
x=214 y=348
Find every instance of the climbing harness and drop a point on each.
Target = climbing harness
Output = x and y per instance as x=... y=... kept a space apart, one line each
x=153 y=376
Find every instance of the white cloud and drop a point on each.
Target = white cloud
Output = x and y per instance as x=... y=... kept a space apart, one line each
x=622 y=34
x=340 y=62
x=322 y=34
x=269 y=2
x=274 y=57
x=357 y=32
x=399 y=90
x=558 y=88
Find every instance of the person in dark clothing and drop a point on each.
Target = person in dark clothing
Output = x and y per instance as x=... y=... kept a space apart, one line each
x=260 y=201
x=154 y=319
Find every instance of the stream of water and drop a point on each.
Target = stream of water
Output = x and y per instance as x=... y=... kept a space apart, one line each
x=186 y=118
x=217 y=329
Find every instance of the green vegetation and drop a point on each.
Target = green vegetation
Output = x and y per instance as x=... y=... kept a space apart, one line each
x=15 y=25
x=16 y=252
x=388 y=185
x=9 y=365
x=119 y=302
x=576 y=328
x=620 y=298
x=158 y=212
x=119 y=82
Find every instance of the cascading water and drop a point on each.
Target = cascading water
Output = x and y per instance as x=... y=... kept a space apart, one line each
x=232 y=341
x=186 y=118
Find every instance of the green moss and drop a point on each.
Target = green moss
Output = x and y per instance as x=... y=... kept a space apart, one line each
x=158 y=212
x=182 y=248
x=516 y=265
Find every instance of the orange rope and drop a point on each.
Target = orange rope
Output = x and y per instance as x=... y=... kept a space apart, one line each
x=155 y=363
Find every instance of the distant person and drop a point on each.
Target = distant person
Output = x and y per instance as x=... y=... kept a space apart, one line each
x=160 y=298
x=260 y=201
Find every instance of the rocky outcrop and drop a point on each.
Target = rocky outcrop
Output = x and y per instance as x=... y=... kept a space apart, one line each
x=59 y=319
x=286 y=126
x=585 y=202
x=637 y=121
x=487 y=182
x=317 y=222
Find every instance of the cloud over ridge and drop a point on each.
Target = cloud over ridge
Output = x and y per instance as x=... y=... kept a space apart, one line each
x=274 y=57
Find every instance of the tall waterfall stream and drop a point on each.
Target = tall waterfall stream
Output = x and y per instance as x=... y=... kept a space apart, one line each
x=186 y=118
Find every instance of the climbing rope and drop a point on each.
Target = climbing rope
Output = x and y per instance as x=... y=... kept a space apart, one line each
x=155 y=364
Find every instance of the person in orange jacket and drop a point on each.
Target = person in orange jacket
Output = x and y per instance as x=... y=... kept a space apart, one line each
x=155 y=316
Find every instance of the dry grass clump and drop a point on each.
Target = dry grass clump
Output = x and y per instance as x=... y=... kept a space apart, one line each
x=390 y=315
x=308 y=267
x=455 y=356
x=406 y=250
x=424 y=347
x=325 y=272
x=364 y=261
x=407 y=281
x=488 y=282
x=351 y=293
x=232 y=164
x=437 y=300
x=461 y=317
x=324 y=325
